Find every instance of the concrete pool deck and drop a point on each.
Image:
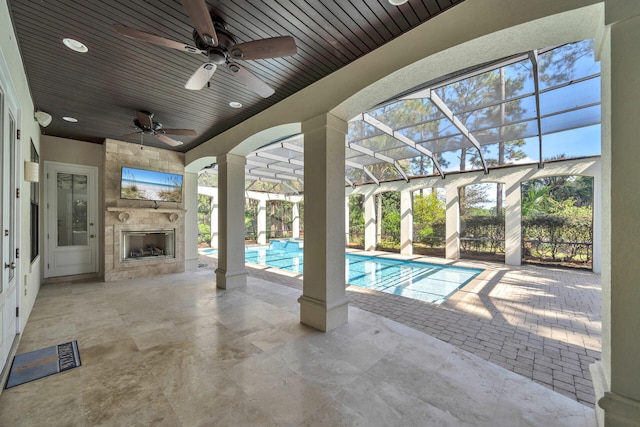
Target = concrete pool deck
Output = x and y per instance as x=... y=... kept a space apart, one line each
x=543 y=323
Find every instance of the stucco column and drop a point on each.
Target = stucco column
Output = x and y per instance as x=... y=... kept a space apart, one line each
x=452 y=200
x=346 y=221
x=617 y=377
x=214 y=222
x=324 y=304
x=261 y=232
x=513 y=224
x=406 y=222
x=231 y=272
x=295 y=226
x=191 y=221
x=370 y=222
x=596 y=254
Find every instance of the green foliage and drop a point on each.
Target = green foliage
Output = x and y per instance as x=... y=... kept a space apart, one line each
x=279 y=218
x=482 y=234
x=429 y=217
x=356 y=215
x=251 y=219
x=557 y=222
x=390 y=218
x=204 y=233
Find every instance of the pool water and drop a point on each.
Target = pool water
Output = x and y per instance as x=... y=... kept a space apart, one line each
x=426 y=282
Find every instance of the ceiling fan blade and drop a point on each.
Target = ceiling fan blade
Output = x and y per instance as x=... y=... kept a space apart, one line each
x=145 y=119
x=199 y=79
x=252 y=82
x=131 y=135
x=189 y=132
x=152 y=38
x=201 y=19
x=266 y=48
x=167 y=140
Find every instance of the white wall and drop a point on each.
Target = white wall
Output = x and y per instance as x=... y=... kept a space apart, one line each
x=13 y=75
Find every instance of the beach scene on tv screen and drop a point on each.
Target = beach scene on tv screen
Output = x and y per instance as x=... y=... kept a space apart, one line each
x=141 y=184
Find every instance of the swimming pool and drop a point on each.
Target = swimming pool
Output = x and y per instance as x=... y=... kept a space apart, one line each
x=426 y=282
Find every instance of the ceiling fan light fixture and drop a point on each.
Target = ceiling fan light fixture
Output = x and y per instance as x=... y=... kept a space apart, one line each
x=75 y=45
x=70 y=119
x=397 y=2
x=235 y=104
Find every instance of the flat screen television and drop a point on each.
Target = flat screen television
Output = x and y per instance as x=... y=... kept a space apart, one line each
x=140 y=184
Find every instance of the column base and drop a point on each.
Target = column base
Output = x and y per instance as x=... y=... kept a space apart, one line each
x=323 y=315
x=612 y=409
x=620 y=410
x=231 y=280
x=515 y=260
x=600 y=386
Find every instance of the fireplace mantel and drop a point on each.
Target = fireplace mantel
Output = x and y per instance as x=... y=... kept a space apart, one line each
x=125 y=211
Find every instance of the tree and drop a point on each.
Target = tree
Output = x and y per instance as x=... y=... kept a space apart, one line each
x=389 y=219
x=560 y=65
x=472 y=197
x=429 y=217
x=356 y=214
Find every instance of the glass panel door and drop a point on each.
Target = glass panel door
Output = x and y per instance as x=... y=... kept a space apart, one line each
x=72 y=209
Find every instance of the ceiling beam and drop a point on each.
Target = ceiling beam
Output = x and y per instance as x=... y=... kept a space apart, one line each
x=533 y=57
x=379 y=156
x=458 y=124
x=363 y=167
x=254 y=172
x=275 y=167
x=402 y=138
x=278 y=158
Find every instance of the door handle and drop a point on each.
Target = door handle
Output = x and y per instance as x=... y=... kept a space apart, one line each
x=92 y=236
x=11 y=266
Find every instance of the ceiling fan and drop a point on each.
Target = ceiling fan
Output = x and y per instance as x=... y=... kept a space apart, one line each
x=146 y=125
x=212 y=39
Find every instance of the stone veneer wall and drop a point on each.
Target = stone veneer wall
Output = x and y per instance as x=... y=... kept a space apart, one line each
x=138 y=215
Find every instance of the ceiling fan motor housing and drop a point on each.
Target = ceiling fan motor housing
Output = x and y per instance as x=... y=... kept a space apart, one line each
x=146 y=129
x=217 y=55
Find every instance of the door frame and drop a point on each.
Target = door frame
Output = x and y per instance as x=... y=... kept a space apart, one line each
x=50 y=217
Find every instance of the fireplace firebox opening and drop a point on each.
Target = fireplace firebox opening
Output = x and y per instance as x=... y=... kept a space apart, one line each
x=156 y=244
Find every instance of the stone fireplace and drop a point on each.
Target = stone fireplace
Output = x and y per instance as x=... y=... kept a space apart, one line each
x=142 y=238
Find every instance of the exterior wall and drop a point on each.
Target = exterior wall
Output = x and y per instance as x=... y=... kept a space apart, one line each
x=138 y=215
x=13 y=79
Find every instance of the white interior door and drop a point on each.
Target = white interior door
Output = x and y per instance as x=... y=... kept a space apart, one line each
x=9 y=228
x=71 y=202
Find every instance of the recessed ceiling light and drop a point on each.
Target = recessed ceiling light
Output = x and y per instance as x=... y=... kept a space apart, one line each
x=235 y=104
x=75 y=45
x=70 y=119
x=397 y=2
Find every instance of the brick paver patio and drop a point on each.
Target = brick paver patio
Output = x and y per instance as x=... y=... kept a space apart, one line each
x=540 y=322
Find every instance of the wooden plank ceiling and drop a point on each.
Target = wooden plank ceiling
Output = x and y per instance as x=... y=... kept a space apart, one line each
x=118 y=76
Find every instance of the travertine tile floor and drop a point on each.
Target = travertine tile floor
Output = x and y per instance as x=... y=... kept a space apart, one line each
x=175 y=351
x=543 y=323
